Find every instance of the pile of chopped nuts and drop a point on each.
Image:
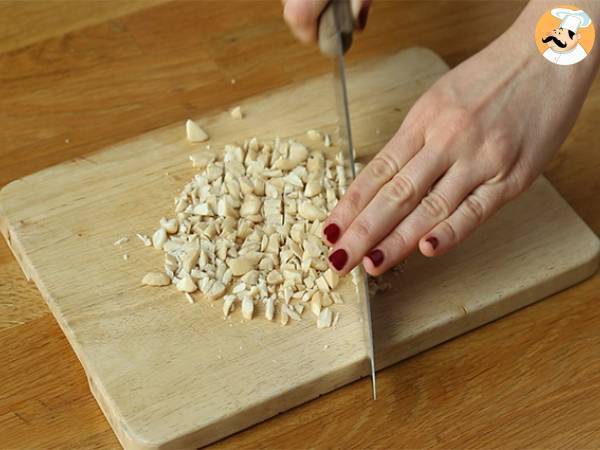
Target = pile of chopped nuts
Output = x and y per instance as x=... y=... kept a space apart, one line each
x=247 y=229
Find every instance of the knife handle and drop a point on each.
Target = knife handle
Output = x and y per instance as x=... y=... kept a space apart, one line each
x=336 y=11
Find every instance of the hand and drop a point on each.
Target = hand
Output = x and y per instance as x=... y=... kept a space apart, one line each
x=478 y=138
x=302 y=16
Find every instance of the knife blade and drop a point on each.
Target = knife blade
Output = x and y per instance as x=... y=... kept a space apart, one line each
x=335 y=38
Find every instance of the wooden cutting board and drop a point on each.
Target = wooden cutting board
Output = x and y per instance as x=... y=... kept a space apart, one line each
x=168 y=374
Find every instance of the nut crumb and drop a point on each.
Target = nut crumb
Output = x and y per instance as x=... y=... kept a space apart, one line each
x=236 y=113
x=121 y=240
x=314 y=135
x=145 y=239
x=336 y=319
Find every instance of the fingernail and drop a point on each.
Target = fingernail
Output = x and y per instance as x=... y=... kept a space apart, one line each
x=363 y=15
x=332 y=232
x=338 y=258
x=433 y=242
x=376 y=257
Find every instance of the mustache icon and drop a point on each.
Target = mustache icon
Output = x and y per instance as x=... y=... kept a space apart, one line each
x=555 y=40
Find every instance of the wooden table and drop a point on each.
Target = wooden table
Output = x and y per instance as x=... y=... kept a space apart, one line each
x=77 y=76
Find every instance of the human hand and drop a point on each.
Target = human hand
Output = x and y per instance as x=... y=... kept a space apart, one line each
x=478 y=138
x=302 y=16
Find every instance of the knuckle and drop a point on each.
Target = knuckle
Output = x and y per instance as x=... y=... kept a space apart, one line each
x=382 y=167
x=361 y=230
x=448 y=231
x=353 y=195
x=435 y=205
x=520 y=180
x=398 y=240
x=501 y=158
x=346 y=208
x=459 y=120
x=474 y=208
x=400 y=189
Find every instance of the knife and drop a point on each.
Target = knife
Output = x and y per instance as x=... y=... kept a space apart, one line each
x=335 y=38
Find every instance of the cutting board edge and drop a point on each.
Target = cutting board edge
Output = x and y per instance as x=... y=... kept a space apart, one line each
x=481 y=317
x=11 y=237
x=245 y=419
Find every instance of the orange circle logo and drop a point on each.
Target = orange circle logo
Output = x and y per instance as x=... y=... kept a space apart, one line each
x=565 y=35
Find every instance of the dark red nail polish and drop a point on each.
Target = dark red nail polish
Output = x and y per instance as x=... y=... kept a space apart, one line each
x=433 y=242
x=376 y=257
x=338 y=258
x=363 y=15
x=332 y=232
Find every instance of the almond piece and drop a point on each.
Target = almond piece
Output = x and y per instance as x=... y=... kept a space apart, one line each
x=251 y=205
x=156 y=279
x=236 y=113
x=274 y=277
x=186 y=284
x=315 y=303
x=250 y=278
x=283 y=315
x=337 y=299
x=311 y=248
x=298 y=153
x=169 y=225
x=247 y=307
x=293 y=313
x=202 y=159
x=227 y=277
x=159 y=238
x=243 y=264
x=217 y=290
x=325 y=318
x=266 y=265
x=228 y=302
x=313 y=187
x=308 y=211
x=332 y=278
x=194 y=132
x=326 y=299
x=171 y=262
x=322 y=284
x=314 y=135
x=270 y=308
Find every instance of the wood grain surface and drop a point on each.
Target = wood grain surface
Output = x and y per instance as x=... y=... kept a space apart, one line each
x=528 y=380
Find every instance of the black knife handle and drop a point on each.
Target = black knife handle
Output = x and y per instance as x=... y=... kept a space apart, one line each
x=336 y=11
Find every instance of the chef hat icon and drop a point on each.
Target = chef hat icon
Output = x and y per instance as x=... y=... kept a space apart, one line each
x=571 y=20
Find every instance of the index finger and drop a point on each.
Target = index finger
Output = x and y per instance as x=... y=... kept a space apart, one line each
x=393 y=157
